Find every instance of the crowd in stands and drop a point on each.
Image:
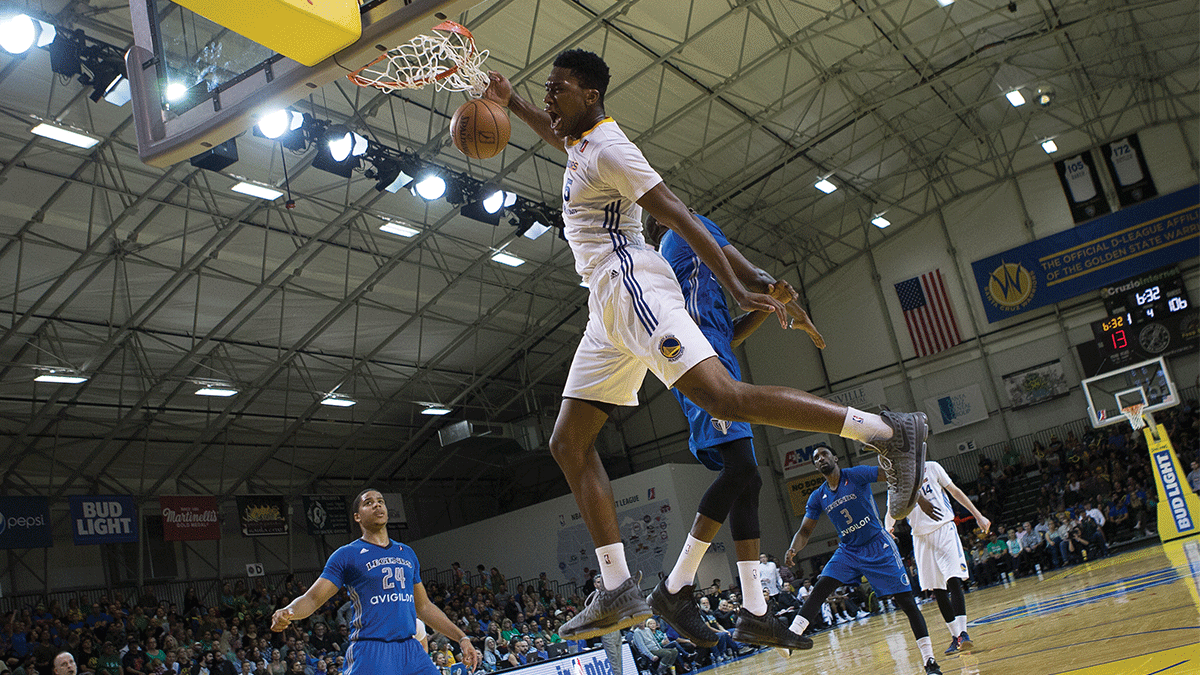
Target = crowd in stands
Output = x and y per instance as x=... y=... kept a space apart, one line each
x=1095 y=491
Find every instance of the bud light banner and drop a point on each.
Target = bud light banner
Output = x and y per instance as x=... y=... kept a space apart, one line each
x=1132 y=241
x=190 y=518
x=25 y=522
x=263 y=515
x=326 y=515
x=103 y=519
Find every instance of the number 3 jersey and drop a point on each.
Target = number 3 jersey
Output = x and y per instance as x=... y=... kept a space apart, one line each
x=850 y=507
x=380 y=581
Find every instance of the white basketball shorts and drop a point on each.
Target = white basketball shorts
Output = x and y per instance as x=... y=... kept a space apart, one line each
x=636 y=322
x=939 y=556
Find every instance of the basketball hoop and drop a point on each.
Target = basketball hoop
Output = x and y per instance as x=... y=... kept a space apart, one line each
x=449 y=62
x=1133 y=413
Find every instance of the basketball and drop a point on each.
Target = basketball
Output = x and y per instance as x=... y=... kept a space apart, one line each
x=480 y=128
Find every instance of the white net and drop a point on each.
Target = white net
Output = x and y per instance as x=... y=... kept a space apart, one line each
x=449 y=62
x=1133 y=413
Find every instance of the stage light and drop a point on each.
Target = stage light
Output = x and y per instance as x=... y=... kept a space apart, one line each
x=20 y=33
x=824 y=185
x=1049 y=146
x=118 y=92
x=879 y=221
x=1015 y=98
x=277 y=123
x=499 y=200
x=65 y=135
x=535 y=230
x=107 y=69
x=338 y=400
x=260 y=191
x=389 y=175
x=430 y=186
x=507 y=259
x=344 y=143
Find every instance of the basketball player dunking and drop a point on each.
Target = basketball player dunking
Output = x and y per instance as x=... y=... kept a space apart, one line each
x=384 y=581
x=638 y=322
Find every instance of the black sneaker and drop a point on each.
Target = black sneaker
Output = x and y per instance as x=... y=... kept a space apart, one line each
x=680 y=610
x=766 y=631
x=954 y=647
x=607 y=611
x=932 y=668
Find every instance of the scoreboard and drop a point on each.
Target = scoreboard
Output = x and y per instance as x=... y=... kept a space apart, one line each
x=1147 y=318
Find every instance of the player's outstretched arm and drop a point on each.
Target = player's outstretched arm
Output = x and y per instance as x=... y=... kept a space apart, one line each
x=436 y=619
x=962 y=498
x=800 y=540
x=500 y=91
x=668 y=210
x=303 y=607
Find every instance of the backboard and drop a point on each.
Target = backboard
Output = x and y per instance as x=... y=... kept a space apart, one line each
x=196 y=84
x=1147 y=382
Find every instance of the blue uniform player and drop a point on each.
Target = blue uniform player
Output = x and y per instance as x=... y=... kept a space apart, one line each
x=723 y=446
x=864 y=549
x=383 y=580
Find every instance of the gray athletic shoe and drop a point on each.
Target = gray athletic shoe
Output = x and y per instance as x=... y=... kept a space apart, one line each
x=680 y=610
x=606 y=611
x=766 y=631
x=902 y=458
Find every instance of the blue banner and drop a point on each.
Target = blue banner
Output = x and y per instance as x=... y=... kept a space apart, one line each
x=25 y=522
x=1106 y=250
x=103 y=519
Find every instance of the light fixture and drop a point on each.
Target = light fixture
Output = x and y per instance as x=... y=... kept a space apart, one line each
x=536 y=230
x=64 y=135
x=20 y=33
x=507 y=259
x=430 y=186
x=338 y=400
x=398 y=229
x=1045 y=97
x=118 y=92
x=879 y=221
x=498 y=200
x=1015 y=98
x=219 y=389
x=279 y=122
x=945 y=3
x=392 y=175
x=431 y=409
x=255 y=190
x=824 y=185
x=59 y=376
x=1049 y=146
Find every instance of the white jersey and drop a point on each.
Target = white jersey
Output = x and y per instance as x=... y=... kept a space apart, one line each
x=605 y=176
x=933 y=490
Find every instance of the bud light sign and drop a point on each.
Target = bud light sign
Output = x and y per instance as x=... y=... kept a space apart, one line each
x=25 y=522
x=106 y=519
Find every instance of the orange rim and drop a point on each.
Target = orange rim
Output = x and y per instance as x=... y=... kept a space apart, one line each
x=445 y=27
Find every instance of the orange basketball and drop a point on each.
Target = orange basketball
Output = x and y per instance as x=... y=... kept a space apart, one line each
x=480 y=128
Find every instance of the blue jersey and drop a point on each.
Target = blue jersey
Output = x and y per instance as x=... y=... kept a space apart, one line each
x=705 y=302
x=380 y=581
x=702 y=293
x=851 y=507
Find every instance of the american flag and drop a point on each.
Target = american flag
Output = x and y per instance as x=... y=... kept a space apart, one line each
x=928 y=314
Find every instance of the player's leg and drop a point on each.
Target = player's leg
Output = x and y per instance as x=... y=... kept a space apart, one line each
x=619 y=604
x=930 y=575
x=899 y=437
x=880 y=563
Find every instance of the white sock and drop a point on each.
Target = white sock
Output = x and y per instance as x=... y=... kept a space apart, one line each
x=864 y=427
x=953 y=628
x=925 y=644
x=960 y=624
x=799 y=624
x=684 y=572
x=752 y=597
x=613 y=568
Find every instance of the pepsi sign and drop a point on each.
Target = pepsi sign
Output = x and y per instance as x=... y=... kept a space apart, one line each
x=25 y=522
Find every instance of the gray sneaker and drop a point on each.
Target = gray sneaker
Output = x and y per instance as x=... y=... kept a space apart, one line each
x=902 y=458
x=606 y=611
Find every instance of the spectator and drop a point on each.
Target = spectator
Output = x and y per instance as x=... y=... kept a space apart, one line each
x=649 y=647
x=491 y=657
x=1193 y=478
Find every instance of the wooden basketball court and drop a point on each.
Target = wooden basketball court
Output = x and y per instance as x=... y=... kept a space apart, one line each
x=1134 y=613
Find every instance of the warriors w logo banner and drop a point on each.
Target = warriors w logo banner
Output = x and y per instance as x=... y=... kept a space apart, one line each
x=927 y=313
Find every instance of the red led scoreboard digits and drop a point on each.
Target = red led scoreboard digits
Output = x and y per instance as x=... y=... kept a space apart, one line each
x=1148 y=317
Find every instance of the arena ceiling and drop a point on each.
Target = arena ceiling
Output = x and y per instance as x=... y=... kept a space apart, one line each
x=148 y=280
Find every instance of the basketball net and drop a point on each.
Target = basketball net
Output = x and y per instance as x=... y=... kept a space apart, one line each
x=1133 y=413
x=449 y=62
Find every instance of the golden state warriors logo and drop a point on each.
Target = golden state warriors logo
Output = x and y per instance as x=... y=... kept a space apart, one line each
x=1011 y=286
x=670 y=347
